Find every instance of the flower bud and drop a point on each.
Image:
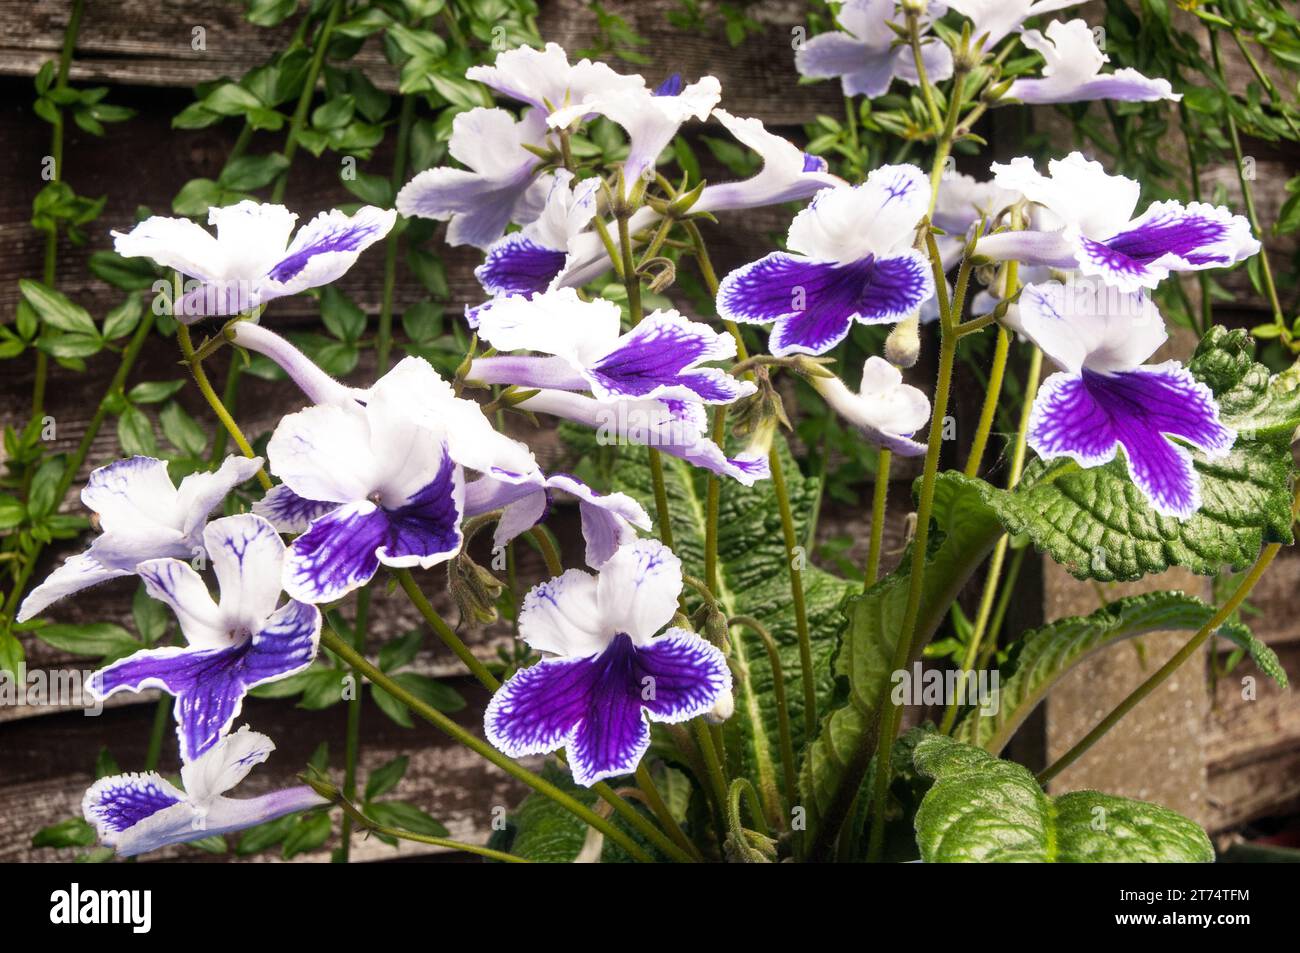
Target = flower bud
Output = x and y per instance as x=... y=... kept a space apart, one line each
x=723 y=708
x=475 y=590
x=903 y=346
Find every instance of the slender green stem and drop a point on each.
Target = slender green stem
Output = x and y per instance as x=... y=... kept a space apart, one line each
x=161 y=717
x=129 y=356
x=988 y=412
x=229 y=394
x=1247 y=193
x=879 y=499
x=1158 y=677
x=739 y=787
x=713 y=505
x=792 y=561
x=210 y=395
x=305 y=97
x=352 y=742
x=712 y=764
x=913 y=21
x=1194 y=174
x=443 y=630
x=384 y=340
x=332 y=641
x=662 y=814
x=551 y=555
x=663 y=516
x=788 y=764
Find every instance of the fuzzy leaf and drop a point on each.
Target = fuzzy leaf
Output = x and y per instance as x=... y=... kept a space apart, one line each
x=982 y=810
x=1048 y=653
x=1098 y=525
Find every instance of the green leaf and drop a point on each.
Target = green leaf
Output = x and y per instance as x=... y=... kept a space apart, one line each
x=123 y=319
x=342 y=317
x=73 y=832
x=982 y=810
x=405 y=817
x=371 y=189
x=432 y=692
x=11 y=654
x=1046 y=654
x=1098 y=525
x=863 y=664
x=94 y=638
x=182 y=430
x=422 y=322
x=231 y=99
x=385 y=777
x=135 y=433
x=252 y=172
x=309 y=833
x=150 y=616
x=259 y=838
x=12 y=512
x=153 y=392
x=56 y=309
x=753 y=580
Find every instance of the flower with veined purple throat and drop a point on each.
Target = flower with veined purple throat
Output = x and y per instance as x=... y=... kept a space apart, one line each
x=1072 y=71
x=660 y=357
x=649 y=117
x=243 y=640
x=247 y=263
x=1099 y=234
x=865 y=54
x=1105 y=398
x=142 y=516
x=540 y=255
x=498 y=185
x=606 y=672
x=885 y=410
x=137 y=813
x=850 y=259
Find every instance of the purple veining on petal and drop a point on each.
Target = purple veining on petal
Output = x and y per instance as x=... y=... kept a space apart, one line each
x=595 y=705
x=812 y=163
x=1171 y=232
x=129 y=799
x=1087 y=417
x=337 y=554
x=656 y=355
x=428 y=524
x=333 y=239
x=815 y=302
x=518 y=265
x=288 y=512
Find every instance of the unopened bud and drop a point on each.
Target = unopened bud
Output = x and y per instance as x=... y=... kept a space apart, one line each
x=903 y=346
x=475 y=590
x=723 y=708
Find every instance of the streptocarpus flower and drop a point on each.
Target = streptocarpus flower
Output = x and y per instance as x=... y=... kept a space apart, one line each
x=137 y=813
x=850 y=259
x=538 y=256
x=1072 y=71
x=958 y=208
x=660 y=357
x=606 y=669
x=372 y=483
x=1104 y=398
x=608 y=519
x=247 y=263
x=864 y=54
x=498 y=184
x=544 y=79
x=996 y=19
x=885 y=410
x=141 y=515
x=673 y=427
x=243 y=640
x=1101 y=237
x=650 y=117
x=788 y=174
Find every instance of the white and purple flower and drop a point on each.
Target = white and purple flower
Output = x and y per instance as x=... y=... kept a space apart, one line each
x=1105 y=399
x=865 y=54
x=247 y=263
x=545 y=80
x=540 y=255
x=649 y=117
x=1099 y=234
x=606 y=671
x=233 y=645
x=498 y=185
x=850 y=259
x=1072 y=71
x=994 y=20
x=141 y=516
x=609 y=520
x=885 y=410
x=137 y=813
x=659 y=358
x=788 y=174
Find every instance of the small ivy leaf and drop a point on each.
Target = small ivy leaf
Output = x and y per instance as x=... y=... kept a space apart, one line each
x=983 y=810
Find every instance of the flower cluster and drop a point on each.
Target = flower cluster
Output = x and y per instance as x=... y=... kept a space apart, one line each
x=396 y=474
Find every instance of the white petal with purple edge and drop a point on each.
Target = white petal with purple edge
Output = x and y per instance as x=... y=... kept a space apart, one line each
x=1085 y=323
x=247 y=556
x=878 y=217
x=638 y=588
x=323 y=453
x=177 y=584
x=325 y=248
x=561 y=616
x=201 y=493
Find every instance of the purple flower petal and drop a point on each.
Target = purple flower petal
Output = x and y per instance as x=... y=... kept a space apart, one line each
x=864 y=70
x=518 y=264
x=688 y=675
x=288 y=512
x=115 y=804
x=1088 y=417
x=658 y=358
x=338 y=553
x=814 y=303
x=538 y=708
x=1124 y=85
x=326 y=247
